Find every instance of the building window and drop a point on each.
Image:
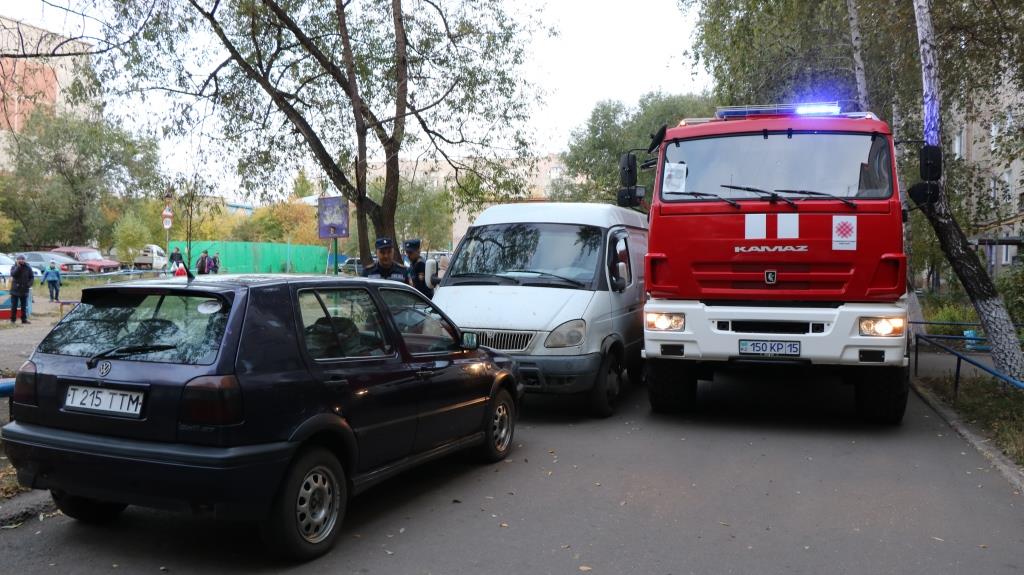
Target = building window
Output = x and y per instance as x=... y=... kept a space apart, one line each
x=993 y=134
x=1020 y=202
x=1007 y=256
x=958 y=144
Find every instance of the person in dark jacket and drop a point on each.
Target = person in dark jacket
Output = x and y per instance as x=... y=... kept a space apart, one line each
x=386 y=267
x=51 y=278
x=215 y=263
x=417 y=267
x=203 y=265
x=21 y=282
x=175 y=259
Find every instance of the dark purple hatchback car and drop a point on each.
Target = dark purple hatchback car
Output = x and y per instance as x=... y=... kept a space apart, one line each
x=272 y=398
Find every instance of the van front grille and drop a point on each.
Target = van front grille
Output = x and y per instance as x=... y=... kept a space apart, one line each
x=506 y=340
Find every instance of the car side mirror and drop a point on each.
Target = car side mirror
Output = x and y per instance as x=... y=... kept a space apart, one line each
x=627 y=170
x=619 y=281
x=430 y=276
x=931 y=163
x=470 y=340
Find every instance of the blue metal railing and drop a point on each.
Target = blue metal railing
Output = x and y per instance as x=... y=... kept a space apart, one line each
x=6 y=387
x=936 y=341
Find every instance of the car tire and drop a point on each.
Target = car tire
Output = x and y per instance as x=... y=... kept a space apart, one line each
x=881 y=394
x=499 y=428
x=87 y=510
x=607 y=386
x=307 y=513
x=671 y=386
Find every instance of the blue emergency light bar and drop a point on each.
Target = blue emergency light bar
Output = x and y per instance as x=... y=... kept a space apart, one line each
x=807 y=109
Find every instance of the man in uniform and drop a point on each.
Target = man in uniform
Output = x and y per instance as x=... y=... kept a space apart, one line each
x=417 y=267
x=386 y=267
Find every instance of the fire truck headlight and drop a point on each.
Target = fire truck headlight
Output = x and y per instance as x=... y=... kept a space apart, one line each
x=882 y=326
x=665 y=321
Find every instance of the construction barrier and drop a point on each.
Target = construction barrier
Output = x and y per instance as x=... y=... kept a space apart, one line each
x=259 y=257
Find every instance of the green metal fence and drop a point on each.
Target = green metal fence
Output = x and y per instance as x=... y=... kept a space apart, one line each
x=260 y=257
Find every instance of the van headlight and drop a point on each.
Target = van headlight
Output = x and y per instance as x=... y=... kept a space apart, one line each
x=569 y=334
x=665 y=321
x=882 y=326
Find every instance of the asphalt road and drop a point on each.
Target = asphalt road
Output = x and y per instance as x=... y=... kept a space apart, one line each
x=769 y=477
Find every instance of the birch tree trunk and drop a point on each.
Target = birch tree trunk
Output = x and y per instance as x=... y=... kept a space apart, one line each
x=1006 y=351
x=858 y=60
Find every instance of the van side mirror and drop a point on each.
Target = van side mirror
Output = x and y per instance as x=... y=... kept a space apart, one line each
x=619 y=280
x=627 y=170
x=931 y=163
x=470 y=340
x=430 y=275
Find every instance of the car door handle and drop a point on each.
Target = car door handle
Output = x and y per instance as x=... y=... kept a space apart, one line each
x=337 y=382
x=425 y=374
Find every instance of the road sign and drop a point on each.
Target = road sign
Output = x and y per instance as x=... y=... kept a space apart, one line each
x=332 y=217
x=167 y=213
x=167 y=223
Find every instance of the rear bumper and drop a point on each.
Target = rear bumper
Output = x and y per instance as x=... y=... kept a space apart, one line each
x=234 y=482
x=839 y=343
x=560 y=374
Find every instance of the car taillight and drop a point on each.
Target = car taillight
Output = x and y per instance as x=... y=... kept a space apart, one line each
x=64 y=267
x=25 y=385
x=212 y=400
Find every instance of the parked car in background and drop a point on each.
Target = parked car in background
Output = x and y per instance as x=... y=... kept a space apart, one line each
x=41 y=261
x=91 y=257
x=270 y=398
x=351 y=267
x=6 y=263
x=152 y=257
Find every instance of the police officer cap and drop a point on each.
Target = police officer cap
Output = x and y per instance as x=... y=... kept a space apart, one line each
x=384 y=243
x=412 y=245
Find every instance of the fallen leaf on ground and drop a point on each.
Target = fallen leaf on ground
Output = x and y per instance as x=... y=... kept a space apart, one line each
x=724 y=523
x=504 y=525
x=586 y=568
x=456 y=501
x=938 y=539
x=983 y=546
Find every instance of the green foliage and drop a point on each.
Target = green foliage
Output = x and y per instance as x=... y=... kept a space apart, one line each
x=951 y=312
x=63 y=167
x=130 y=234
x=6 y=230
x=424 y=212
x=592 y=162
x=1011 y=286
x=303 y=186
x=990 y=403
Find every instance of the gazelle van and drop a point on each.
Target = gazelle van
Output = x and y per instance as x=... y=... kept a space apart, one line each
x=560 y=287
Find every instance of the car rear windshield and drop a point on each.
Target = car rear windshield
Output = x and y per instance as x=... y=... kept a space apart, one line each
x=193 y=324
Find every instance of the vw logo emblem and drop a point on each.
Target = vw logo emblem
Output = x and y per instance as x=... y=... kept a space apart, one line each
x=770 y=276
x=104 y=368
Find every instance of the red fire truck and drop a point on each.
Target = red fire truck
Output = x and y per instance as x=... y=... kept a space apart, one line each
x=775 y=238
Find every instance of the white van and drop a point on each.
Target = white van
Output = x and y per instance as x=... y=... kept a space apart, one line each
x=558 y=286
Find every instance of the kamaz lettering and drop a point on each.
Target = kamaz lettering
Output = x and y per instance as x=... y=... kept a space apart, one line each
x=768 y=249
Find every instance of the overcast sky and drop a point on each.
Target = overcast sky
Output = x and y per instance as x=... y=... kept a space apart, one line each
x=605 y=50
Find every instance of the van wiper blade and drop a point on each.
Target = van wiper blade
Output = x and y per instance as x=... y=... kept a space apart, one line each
x=846 y=201
x=123 y=350
x=770 y=196
x=550 y=275
x=485 y=275
x=703 y=195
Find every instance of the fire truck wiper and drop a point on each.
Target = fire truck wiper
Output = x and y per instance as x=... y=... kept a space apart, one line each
x=822 y=194
x=770 y=196
x=703 y=195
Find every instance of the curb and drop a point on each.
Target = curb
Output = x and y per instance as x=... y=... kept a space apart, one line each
x=25 y=506
x=1010 y=470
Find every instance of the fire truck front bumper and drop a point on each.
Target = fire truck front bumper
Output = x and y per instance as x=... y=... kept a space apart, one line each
x=847 y=334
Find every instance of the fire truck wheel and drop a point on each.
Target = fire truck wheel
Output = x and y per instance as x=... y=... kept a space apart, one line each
x=671 y=386
x=607 y=385
x=882 y=394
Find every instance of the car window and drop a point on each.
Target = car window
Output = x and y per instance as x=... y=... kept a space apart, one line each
x=341 y=323
x=193 y=325
x=424 y=330
x=618 y=251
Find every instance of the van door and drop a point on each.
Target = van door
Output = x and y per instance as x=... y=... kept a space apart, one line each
x=627 y=303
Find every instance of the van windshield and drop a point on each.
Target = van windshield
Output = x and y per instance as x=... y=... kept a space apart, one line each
x=555 y=255
x=172 y=328
x=800 y=166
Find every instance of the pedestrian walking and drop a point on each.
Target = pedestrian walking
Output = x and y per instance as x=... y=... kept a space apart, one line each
x=22 y=278
x=52 y=280
x=175 y=259
x=203 y=265
x=386 y=267
x=215 y=263
x=417 y=267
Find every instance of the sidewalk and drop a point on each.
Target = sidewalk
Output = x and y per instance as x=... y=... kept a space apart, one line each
x=18 y=340
x=934 y=364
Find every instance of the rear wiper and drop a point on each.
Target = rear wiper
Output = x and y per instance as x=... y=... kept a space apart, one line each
x=123 y=350
x=770 y=196
x=822 y=194
x=484 y=275
x=550 y=275
x=703 y=195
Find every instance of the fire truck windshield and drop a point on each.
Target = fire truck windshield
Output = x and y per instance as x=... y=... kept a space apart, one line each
x=810 y=165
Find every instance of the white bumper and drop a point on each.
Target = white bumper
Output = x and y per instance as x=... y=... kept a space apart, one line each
x=706 y=336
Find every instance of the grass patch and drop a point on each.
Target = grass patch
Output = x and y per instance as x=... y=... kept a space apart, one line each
x=987 y=403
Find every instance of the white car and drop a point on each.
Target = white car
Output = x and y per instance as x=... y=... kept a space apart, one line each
x=152 y=257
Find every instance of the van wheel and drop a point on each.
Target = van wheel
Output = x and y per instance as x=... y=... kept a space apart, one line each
x=607 y=386
x=499 y=428
x=671 y=386
x=87 y=510
x=306 y=516
x=881 y=394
